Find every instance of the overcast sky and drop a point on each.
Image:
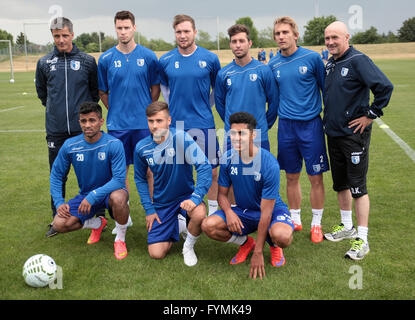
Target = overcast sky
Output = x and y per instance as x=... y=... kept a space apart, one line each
x=153 y=17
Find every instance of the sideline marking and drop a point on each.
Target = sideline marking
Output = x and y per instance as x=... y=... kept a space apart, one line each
x=10 y=109
x=405 y=147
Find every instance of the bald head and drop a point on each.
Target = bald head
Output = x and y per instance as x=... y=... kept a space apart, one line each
x=338 y=26
x=337 y=38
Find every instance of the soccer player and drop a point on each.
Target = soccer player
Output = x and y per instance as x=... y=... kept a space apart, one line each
x=129 y=80
x=246 y=85
x=254 y=174
x=348 y=117
x=188 y=73
x=299 y=74
x=171 y=154
x=65 y=78
x=99 y=163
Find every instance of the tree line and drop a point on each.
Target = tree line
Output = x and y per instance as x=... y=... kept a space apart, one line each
x=313 y=35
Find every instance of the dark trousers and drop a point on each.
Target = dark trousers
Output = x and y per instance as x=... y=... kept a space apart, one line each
x=55 y=143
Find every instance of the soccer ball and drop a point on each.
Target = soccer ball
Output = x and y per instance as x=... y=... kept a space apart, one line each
x=39 y=270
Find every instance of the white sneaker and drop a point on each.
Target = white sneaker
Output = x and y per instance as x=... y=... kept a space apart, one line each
x=129 y=224
x=359 y=249
x=189 y=256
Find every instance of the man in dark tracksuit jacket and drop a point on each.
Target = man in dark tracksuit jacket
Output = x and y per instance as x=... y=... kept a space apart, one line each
x=348 y=117
x=65 y=78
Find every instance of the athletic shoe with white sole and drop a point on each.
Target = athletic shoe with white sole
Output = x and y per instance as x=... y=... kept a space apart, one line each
x=359 y=249
x=339 y=233
x=189 y=255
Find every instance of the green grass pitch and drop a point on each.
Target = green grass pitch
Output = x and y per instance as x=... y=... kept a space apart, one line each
x=312 y=271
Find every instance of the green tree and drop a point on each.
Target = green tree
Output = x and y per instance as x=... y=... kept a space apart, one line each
x=369 y=36
x=160 y=45
x=266 y=38
x=4 y=35
x=407 y=32
x=108 y=43
x=20 y=39
x=314 y=30
x=247 y=21
x=223 y=41
x=203 y=39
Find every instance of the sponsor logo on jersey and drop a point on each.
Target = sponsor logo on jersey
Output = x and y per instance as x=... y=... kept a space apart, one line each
x=344 y=71
x=140 y=62
x=75 y=65
x=53 y=67
x=54 y=60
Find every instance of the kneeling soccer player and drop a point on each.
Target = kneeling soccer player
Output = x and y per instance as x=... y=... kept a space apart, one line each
x=171 y=154
x=99 y=164
x=254 y=174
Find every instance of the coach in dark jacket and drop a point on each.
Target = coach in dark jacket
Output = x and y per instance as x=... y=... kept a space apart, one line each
x=65 y=78
x=348 y=117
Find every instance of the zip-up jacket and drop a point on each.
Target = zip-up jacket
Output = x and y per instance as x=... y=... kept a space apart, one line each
x=348 y=83
x=63 y=82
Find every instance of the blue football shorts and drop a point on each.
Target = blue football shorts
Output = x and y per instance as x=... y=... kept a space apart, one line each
x=168 y=230
x=129 y=139
x=250 y=219
x=75 y=202
x=298 y=140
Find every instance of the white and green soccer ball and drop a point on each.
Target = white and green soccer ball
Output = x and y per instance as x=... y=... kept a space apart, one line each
x=39 y=270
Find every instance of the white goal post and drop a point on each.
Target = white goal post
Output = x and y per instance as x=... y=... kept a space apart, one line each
x=11 y=59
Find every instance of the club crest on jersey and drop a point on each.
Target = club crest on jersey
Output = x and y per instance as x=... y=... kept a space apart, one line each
x=355 y=159
x=202 y=64
x=140 y=62
x=344 y=71
x=257 y=176
x=171 y=152
x=253 y=76
x=101 y=155
x=302 y=69
x=75 y=65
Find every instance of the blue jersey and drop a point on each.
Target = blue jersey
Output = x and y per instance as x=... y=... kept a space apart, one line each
x=128 y=78
x=99 y=167
x=300 y=78
x=251 y=182
x=189 y=79
x=171 y=163
x=248 y=89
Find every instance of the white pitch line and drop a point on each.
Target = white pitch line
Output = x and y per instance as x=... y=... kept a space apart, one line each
x=10 y=109
x=405 y=147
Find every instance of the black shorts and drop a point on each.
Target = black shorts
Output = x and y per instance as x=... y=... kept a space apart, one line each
x=349 y=162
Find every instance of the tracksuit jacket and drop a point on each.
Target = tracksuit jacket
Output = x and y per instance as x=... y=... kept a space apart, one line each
x=63 y=82
x=348 y=83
